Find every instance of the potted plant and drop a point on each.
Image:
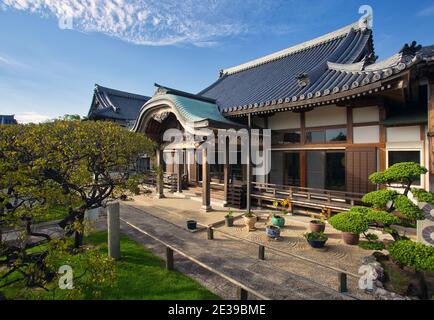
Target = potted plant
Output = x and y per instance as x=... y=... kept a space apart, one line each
x=352 y=224
x=276 y=219
x=272 y=231
x=250 y=220
x=229 y=219
x=317 y=225
x=191 y=224
x=316 y=239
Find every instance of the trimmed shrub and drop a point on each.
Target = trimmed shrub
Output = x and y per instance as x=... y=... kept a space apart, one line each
x=383 y=217
x=379 y=199
x=413 y=254
x=422 y=195
x=408 y=208
x=404 y=172
x=372 y=245
x=352 y=221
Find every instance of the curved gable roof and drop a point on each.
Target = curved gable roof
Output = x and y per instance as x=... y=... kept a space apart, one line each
x=109 y=103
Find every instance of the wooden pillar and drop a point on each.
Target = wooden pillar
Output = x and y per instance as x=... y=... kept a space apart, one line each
x=249 y=163
x=160 y=174
x=431 y=130
x=206 y=182
x=178 y=169
x=226 y=173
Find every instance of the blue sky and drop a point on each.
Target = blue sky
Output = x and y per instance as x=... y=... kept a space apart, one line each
x=47 y=71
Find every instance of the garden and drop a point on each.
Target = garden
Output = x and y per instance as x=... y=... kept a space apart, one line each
x=58 y=171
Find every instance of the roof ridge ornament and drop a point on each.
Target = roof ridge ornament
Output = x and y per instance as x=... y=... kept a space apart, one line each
x=412 y=49
x=303 y=79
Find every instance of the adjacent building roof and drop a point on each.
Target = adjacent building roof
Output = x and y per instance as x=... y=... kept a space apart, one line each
x=114 y=104
x=8 y=119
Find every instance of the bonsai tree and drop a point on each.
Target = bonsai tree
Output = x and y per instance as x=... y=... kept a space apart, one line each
x=385 y=202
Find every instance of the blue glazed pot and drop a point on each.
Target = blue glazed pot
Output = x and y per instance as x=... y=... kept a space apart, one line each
x=273 y=231
x=191 y=225
x=278 y=221
x=317 y=244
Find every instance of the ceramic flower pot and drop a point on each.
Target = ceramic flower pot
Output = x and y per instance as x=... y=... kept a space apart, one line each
x=316 y=227
x=272 y=232
x=278 y=221
x=317 y=244
x=350 y=238
x=191 y=225
x=250 y=222
x=229 y=221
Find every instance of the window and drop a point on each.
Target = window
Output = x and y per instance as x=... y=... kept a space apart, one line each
x=284 y=137
x=332 y=135
x=404 y=156
x=326 y=170
x=292 y=169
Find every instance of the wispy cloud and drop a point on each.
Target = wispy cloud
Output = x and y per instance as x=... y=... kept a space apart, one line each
x=31 y=117
x=428 y=11
x=9 y=62
x=148 y=22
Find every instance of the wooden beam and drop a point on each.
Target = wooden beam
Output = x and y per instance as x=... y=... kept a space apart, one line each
x=160 y=179
x=249 y=164
x=226 y=173
x=349 y=125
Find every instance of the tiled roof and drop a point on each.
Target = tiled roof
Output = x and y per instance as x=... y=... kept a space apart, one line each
x=189 y=108
x=114 y=104
x=274 y=79
x=7 y=119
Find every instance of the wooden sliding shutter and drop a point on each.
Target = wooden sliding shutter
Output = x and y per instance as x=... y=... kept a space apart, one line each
x=360 y=163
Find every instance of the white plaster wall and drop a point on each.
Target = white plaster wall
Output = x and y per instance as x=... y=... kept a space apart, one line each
x=326 y=116
x=403 y=134
x=366 y=114
x=368 y=134
x=284 y=120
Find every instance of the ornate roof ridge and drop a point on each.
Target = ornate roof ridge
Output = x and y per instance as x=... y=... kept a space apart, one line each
x=294 y=49
x=119 y=93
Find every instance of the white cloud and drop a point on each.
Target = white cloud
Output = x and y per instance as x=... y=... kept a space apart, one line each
x=6 y=61
x=429 y=11
x=31 y=117
x=147 y=22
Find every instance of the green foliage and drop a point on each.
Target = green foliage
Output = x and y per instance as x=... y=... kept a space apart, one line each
x=383 y=217
x=404 y=173
x=229 y=214
x=423 y=196
x=74 y=165
x=408 y=208
x=371 y=237
x=413 y=254
x=372 y=245
x=380 y=198
x=377 y=178
x=353 y=221
x=316 y=236
x=139 y=275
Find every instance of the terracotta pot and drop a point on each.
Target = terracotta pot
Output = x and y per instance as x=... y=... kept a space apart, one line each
x=317 y=227
x=350 y=238
x=250 y=222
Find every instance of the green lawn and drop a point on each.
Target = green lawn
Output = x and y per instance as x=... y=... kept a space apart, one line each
x=140 y=275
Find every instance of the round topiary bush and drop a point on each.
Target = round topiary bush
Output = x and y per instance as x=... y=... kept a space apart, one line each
x=352 y=221
x=413 y=254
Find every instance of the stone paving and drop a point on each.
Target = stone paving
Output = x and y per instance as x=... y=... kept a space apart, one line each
x=281 y=275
